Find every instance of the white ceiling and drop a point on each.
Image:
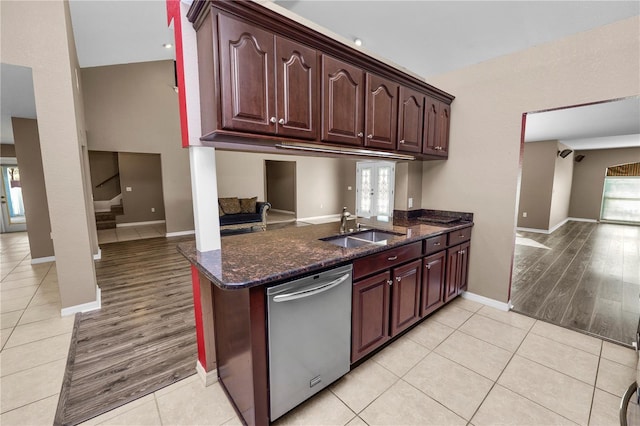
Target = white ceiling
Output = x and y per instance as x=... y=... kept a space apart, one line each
x=605 y=125
x=426 y=37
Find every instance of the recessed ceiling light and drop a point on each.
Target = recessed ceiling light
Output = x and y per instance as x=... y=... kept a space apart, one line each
x=167 y=45
x=357 y=42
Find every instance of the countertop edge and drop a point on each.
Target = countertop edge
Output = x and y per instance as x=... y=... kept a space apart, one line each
x=192 y=257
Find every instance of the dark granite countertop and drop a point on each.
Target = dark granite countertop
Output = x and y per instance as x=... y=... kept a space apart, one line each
x=253 y=259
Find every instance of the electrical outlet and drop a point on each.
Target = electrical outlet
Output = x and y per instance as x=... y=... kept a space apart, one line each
x=410 y=202
x=524 y=214
x=321 y=205
x=349 y=188
x=153 y=209
x=128 y=189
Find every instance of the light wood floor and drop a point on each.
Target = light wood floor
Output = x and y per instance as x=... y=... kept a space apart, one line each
x=141 y=340
x=584 y=276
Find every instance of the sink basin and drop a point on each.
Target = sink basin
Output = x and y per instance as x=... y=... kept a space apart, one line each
x=346 y=242
x=375 y=235
x=361 y=238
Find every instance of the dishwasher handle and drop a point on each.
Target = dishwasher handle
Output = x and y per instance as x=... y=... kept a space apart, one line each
x=312 y=291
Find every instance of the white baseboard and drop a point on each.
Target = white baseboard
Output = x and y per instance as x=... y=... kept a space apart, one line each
x=208 y=378
x=43 y=260
x=582 y=219
x=179 y=233
x=320 y=219
x=85 y=307
x=550 y=231
x=150 y=222
x=539 y=231
x=98 y=255
x=486 y=301
x=281 y=211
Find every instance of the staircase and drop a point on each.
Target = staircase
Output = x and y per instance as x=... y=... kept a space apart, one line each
x=107 y=220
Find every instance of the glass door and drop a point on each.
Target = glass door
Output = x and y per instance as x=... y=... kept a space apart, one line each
x=375 y=182
x=13 y=218
x=621 y=199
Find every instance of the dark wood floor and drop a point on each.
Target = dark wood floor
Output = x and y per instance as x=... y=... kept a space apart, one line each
x=141 y=340
x=584 y=276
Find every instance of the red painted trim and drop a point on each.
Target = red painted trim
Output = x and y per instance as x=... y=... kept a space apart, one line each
x=195 y=281
x=173 y=13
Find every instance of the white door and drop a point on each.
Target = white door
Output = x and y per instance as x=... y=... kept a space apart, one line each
x=375 y=183
x=13 y=219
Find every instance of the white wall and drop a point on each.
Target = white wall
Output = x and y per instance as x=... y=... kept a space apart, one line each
x=481 y=174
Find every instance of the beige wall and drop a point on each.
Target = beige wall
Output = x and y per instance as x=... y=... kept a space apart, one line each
x=538 y=165
x=34 y=194
x=319 y=181
x=133 y=108
x=561 y=193
x=281 y=184
x=143 y=174
x=588 y=179
x=38 y=35
x=104 y=165
x=481 y=174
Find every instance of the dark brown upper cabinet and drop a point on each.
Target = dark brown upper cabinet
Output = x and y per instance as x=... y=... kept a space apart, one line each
x=410 y=115
x=266 y=81
x=436 y=128
x=342 y=102
x=297 y=100
x=381 y=106
x=247 y=78
x=249 y=101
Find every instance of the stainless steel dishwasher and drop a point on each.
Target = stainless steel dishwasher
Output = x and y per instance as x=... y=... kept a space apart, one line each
x=309 y=324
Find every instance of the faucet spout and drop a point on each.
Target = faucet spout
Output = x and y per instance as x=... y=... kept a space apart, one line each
x=343 y=220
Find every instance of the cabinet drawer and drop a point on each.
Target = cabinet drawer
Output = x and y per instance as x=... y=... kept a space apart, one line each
x=459 y=236
x=386 y=259
x=434 y=244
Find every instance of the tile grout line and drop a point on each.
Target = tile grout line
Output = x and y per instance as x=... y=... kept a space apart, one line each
x=595 y=384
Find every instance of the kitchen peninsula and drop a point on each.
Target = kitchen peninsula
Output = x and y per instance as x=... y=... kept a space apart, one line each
x=413 y=272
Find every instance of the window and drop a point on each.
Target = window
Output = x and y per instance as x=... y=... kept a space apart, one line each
x=374 y=188
x=621 y=199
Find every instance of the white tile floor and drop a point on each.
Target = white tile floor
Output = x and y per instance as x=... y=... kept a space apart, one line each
x=467 y=364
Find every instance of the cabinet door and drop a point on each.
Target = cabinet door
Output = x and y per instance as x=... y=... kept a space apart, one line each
x=410 y=116
x=453 y=273
x=246 y=77
x=381 y=106
x=370 y=314
x=297 y=85
x=433 y=283
x=342 y=102
x=429 y=137
x=405 y=296
x=442 y=127
x=463 y=266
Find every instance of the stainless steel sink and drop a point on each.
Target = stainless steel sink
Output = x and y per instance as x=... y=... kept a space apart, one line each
x=361 y=238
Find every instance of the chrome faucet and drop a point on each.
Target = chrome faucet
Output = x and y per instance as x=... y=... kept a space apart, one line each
x=343 y=220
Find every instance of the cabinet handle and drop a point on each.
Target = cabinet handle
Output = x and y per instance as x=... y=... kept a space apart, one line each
x=428 y=265
x=461 y=236
x=392 y=258
x=360 y=134
x=390 y=282
x=401 y=140
x=273 y=120
x=436 y=243
x=398 y=279
x=369 y=136
x=281 y=121
x=461 y=251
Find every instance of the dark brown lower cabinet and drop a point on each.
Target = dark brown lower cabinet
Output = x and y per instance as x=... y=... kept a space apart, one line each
x=433 y=283
x=457 y=270
x=405 y=296
x=370 y=314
